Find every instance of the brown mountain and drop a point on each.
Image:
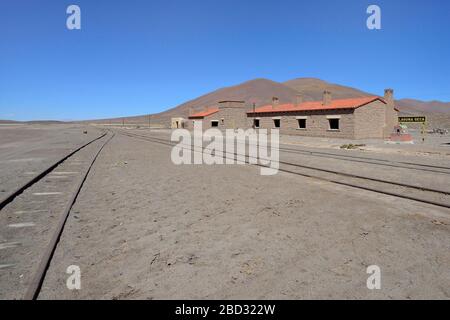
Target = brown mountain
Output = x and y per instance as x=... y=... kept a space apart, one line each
x=313 y=88
x=261 y=91
x=257 y=91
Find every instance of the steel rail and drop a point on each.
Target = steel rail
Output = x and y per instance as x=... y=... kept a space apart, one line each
x=341 y=173
x=384 y=162
x=12 y=195
x=38 y=278
x=439 y=204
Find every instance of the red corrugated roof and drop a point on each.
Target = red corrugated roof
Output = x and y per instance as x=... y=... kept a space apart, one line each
x=318 y=105
x=204 y=113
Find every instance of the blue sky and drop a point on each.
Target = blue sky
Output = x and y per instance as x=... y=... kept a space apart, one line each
x=136 y=57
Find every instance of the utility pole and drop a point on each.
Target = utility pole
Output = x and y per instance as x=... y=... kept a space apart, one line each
x=149 y=117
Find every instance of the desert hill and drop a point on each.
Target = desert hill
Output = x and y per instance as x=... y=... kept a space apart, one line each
x=258 y=91
x=314 y=88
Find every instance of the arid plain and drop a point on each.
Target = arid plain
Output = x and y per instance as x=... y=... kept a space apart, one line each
x=144 y=228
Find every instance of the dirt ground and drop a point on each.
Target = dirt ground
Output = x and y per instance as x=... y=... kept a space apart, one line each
x=434 y=144
x=28 y=223
x=26 y=149
x=143 y=228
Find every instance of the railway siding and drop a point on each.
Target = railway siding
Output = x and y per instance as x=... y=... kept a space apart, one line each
x=31 y=221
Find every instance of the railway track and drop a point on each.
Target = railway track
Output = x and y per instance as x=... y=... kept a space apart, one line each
x=380 y=162
x=440 y=198
x=360 y=159
x=11 y=195
x=375 y=161
x=23 y=266
x=32 y=219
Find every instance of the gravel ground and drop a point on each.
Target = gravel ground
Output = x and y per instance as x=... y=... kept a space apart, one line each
x=28 y=223
x=433 y=145
x=384 y=166
x=143 y=228
x=26 y=150
x=435 y=150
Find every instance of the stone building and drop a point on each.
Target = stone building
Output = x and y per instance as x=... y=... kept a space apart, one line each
x=227 y=115
x=356 y=118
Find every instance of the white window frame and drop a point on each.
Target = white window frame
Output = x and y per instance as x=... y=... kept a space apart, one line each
x=273 y=121
x=334 y=118
x=298 y=123
x=259 y=120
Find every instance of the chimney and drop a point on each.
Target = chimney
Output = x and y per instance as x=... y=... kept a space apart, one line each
x=389 y=96
x=326 y=98
x=298 y=99
x=275 y=102
x=250 y=107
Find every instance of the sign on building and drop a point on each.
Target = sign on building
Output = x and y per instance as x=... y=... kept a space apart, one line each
x=412 y=119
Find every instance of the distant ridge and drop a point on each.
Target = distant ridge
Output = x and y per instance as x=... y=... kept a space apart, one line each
x=437 y=113
x=31 y=122
x=7 y=121
x=414 y=106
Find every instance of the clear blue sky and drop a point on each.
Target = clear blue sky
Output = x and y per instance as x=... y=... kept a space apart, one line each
x=136 y=57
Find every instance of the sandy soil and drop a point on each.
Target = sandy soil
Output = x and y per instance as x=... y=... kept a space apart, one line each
x=143 y=228
x=28 y=223
x=434 y=145
x=436 y=148
x=26 y=150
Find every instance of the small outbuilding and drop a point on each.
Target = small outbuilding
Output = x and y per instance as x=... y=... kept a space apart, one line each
x=178 y=123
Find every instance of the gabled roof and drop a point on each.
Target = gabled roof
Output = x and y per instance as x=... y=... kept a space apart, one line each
x=204 y=113
x=318 y=105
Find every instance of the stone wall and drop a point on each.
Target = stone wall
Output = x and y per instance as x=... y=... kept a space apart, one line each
x=317 y=123
x=370 y=120
x=231 y=115
x=374 y=120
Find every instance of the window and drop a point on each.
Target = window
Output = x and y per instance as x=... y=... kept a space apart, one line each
x=256 y=123
x=214 y=123
x=334 y=124
x=222 y=121
x=276 y=123
x=301 y=123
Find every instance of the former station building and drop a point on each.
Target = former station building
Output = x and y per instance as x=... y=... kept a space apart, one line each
x=356 y=118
